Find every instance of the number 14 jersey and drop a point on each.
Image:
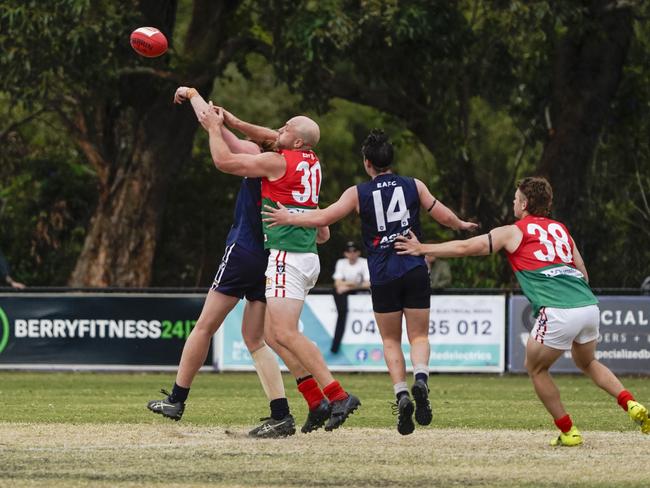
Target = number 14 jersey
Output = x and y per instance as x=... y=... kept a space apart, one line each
x=544 y=266
x=389 y=205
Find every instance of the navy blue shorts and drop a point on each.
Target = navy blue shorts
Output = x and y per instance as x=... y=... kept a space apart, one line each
x=409 y=291
x=241 y=273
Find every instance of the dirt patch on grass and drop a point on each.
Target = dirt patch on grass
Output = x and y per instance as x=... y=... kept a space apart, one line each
x=166 y=454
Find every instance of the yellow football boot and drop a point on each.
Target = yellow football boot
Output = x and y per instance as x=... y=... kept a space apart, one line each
x=571 y=438
x=639 y=414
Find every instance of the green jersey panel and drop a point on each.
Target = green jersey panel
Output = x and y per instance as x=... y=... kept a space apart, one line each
x=289 y=237
x=555 y=286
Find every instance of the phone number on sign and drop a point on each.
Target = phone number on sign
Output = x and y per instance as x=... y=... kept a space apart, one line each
x=441 y=327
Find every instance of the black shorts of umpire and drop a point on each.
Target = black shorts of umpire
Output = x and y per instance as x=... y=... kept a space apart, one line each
x=411 y=290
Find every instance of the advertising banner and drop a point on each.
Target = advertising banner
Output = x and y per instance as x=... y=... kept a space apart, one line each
x=623 y=344
x=466 y=332
x=68 y=330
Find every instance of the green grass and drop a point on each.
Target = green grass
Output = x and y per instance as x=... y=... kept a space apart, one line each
x=62 y=430
x=467 y=401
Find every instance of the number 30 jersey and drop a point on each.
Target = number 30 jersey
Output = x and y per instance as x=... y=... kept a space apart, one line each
x=298 y=190
x=544 y=266
x=389 y=206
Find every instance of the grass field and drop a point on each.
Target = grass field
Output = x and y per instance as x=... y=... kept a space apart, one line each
x=84 y=429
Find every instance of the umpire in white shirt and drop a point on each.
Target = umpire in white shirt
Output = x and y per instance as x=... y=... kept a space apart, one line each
x=350 y=275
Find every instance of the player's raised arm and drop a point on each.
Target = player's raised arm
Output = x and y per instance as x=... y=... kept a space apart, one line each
x=314 y=218
x=199 y=105
x=269 y=164
x=257 y=133
x=237 y=145
x=508 y=237
x=439 y=211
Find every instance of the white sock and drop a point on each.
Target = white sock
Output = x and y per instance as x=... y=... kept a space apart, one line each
x=400 y=387
x=420 y=368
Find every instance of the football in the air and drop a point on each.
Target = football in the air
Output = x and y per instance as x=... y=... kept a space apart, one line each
x=148 y=42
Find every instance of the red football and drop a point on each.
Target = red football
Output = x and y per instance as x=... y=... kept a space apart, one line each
x=148 y=42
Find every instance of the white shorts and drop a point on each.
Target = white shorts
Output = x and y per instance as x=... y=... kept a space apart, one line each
x=560 y=327
x=291 y=274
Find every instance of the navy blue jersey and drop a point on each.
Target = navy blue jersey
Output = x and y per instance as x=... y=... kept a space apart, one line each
x=246 y=230
x=389 y=206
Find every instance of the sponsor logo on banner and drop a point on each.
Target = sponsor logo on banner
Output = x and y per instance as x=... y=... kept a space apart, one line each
x=91 y=329
x=466 y=333
x=59 y=328
x=377 y=355
x=362 y=355
x=4 y=330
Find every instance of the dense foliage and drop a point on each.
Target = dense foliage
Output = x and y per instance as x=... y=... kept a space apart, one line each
x=467 y=90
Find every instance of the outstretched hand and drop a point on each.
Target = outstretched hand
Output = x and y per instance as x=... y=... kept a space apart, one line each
x=211 y=118
x=276 y=216
x=229 y=119
x=181 y=94
x=407 y=244
x=470 y=226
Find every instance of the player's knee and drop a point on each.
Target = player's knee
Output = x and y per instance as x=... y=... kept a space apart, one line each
x=270 y=340
x=284 y=337
x=254 y=339
x=276 y=336
x=253 y=343
x=534 y=367
x=392 y=342
x=420 y=339
x=582 y=363
x=204 y=327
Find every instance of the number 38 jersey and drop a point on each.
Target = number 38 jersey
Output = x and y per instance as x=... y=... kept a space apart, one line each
x=389 y=206
x=298 y=190
x=544 y=266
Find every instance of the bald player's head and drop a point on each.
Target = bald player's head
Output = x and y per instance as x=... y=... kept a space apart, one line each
x=307 y=129
x=299 y=132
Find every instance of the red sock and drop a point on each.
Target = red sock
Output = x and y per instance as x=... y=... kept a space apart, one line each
x=624 y=397
x=564 y=424
x=334 y=392
x=311 y=392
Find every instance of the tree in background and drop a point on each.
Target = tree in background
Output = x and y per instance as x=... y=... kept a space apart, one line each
x=72 y=58
x=553 y=68
x=475 y=93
